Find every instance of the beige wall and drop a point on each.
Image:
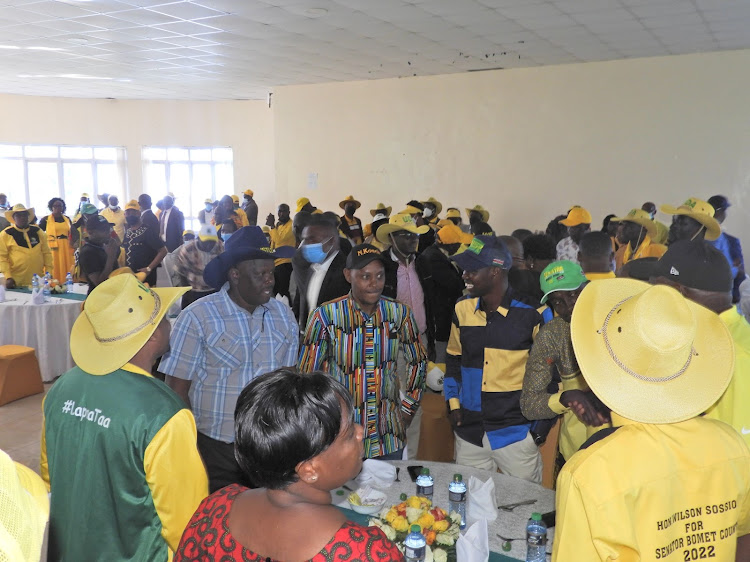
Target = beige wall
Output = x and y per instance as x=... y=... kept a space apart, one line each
x=527 y=143
x=246 y=126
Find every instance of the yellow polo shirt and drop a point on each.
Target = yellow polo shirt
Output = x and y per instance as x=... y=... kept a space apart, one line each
x=732 y=408
x=24 y=252
x=282 y=235
x=676 y=492
x=596 y=276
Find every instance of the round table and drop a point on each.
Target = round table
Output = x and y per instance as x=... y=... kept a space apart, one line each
x=45 y=327
x=507 y=490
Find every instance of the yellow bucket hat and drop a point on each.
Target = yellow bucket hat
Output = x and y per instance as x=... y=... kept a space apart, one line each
x=438 y=205
x=401 y=221
x=301 y=202
x=381 y=209
x=118 y=318
x=641 y=217
x=350 y=199
x=648 y=353
x=481 y=210
x=133 y=204
x=698 y=210
x=17 y=209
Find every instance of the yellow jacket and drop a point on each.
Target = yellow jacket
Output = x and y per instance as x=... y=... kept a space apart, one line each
x=24 y=252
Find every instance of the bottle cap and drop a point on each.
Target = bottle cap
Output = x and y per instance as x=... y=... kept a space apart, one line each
x=416 y=529
x=457 y=477
x=536 y=516
x=426 y=471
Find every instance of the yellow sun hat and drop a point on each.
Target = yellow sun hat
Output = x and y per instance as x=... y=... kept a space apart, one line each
x=438 y=205
x=118 y=318
x=350 y=199
x=481 y=210
x=381 y=209
x=641 y=217
x=698 y=210
x=17 y=209
x=648 y=353
x=401 y=221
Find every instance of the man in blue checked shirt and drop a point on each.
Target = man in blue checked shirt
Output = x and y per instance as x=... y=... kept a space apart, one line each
x=223 y=341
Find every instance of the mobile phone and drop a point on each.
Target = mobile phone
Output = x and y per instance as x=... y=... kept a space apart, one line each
x=414 y=471
x=549 y=519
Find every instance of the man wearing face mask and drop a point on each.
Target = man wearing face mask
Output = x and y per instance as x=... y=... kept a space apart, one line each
x=206 y=214
x=318 y=267
x=250 y=207
x=351 y=226
x=282 y=235
x=432 y=210
x=144 y=250
x=114 y=214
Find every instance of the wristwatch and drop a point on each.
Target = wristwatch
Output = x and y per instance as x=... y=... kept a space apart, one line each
x=148 y=269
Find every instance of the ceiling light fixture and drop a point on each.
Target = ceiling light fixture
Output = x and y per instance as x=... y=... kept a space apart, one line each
x=306 y=12
x=79 y=40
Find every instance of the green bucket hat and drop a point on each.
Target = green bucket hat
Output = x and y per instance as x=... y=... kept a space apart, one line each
x=561 y=275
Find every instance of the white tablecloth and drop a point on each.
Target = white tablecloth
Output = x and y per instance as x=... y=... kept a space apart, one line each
x=44 y=327
x=507 y=490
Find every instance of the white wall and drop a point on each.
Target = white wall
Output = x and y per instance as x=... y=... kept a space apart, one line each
x=246 y=126
x=526 y=143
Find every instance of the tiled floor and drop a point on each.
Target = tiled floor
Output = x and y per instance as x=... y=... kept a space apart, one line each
x=21 y=429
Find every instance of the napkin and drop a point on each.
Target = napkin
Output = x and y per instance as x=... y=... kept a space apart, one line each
x=481 y=503
x=282 y=298
x=37 y=297
x=474 y=544
x=377 y=473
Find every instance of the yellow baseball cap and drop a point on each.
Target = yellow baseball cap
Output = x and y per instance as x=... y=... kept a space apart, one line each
x=577 y=215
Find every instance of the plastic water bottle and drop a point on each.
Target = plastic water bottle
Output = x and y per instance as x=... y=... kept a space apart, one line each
x=68 y=283
x=425 y=484
x=536 y=539
x=415 y=545
x=45 y=288
x=457 y=498
x=35 y=283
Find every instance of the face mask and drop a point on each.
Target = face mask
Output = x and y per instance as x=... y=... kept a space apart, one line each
x=209 y=208
x=113 y=207
x=427 y=213
x=314 y=253
x=226 y=235
x=132 y=221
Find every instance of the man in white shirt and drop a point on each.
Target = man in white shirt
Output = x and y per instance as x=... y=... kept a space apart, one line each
x=318 y=268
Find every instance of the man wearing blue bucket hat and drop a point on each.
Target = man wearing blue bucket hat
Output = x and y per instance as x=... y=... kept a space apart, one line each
x=223 y=341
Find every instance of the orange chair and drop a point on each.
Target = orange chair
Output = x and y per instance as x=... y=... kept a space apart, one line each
x=19 y=373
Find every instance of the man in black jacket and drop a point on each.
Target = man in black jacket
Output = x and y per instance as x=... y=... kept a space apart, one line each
x=318 y=268
x=443 y=281
x=171 y=224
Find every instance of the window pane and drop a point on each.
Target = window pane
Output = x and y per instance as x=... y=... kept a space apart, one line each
x=109 y=181
x=156 y=181
x=105 y=153
x=179 y=183
x=10 y=150
x=77 y=178
x=41 y=151
x=202 y=188
x=194 y=225
x=154 y=153
x=178 y=154
x=224 y=180
x=222 y=154
x=43 y=185
x=13 y=185
x=76 y=152
x=200 y=154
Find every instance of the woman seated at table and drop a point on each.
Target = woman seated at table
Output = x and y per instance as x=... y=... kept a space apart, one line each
x=295 y=437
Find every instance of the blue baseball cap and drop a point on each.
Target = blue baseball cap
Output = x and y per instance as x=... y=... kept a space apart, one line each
x=484 y=251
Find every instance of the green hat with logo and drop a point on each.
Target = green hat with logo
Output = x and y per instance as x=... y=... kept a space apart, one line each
x=561 y=275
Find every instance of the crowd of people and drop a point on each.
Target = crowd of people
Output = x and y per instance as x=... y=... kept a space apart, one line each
x=302 y=348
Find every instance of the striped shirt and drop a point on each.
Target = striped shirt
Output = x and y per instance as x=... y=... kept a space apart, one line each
x=360 y=351
x=485 y=366
x=221 y=347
